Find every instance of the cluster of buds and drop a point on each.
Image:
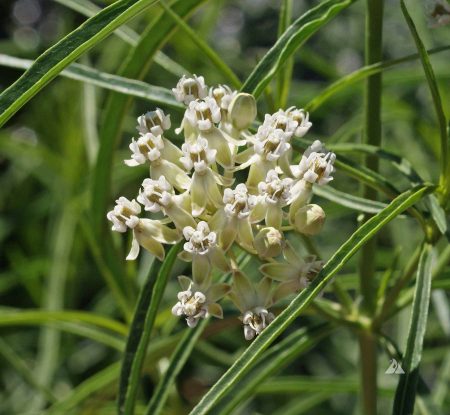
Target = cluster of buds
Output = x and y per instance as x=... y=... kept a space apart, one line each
x=193 y=187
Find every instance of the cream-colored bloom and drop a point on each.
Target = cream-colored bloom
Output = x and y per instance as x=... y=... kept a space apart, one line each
x=309 y=219
x=223 y=96
x=163 y=156
x=232 y=222
x=275 y=194
x=202 y=249
x=155 y=122
x=302 y=119
x=203 y=114
x=198 y=300
x=190 y=89
x=269 y=242
x=253 y=302
x=124 y=216
x=150 y=234
x=295 y=274
x=158 y=195
x=316 y=165
x=204 y=188
x=269 y=145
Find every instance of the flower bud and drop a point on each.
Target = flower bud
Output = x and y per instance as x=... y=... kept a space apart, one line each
x=268 y=242
x=242 y=111
x=309 y=219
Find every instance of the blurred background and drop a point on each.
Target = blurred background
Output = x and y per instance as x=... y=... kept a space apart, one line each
x=54 y=239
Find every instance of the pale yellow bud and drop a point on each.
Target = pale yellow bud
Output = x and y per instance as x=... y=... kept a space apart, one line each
x=309 y=219
x=242 y=111
x=268 y=242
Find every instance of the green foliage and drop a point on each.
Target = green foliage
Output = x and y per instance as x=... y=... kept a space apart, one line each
x=82 y=331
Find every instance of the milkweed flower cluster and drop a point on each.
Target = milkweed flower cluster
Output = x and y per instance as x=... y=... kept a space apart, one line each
x=195 y=188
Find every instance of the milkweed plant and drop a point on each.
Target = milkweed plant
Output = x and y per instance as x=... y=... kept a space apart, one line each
x=226 y=186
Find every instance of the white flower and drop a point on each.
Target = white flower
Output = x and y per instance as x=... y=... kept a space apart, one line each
x=223 y=95
x=271 y=143
x=156 y=194
x=199 y=240
x=124 y=214
x=316 y=165
x=280 y=120
x=199 y=300
x=274 y=190
x=164 y=158
x=202 y=249
x=232 y=222
x=275 y=194
x=197 y=155
x=150 y=234
x=203 y=114
x=155 y=122
x=255 y=321
x=239 y=202
x=147 y=148
x=253 y=301
x=190 y=89
x=302 y=119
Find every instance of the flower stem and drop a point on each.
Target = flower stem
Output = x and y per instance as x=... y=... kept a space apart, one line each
x=372 y=135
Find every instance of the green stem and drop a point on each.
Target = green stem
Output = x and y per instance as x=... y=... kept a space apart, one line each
x=285 y=75
x=372 y=136
x=204 y=47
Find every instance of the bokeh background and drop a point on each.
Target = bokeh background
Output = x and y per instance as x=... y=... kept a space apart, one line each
x=50 y=259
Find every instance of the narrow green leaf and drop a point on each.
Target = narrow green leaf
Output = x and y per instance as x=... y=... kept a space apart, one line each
x=352 y=202
x=361 y=74
x=432 y=85
x=274 y=359
x=301 y=301
x=294 y=36
x=140 y=330
x=83 y=73
x=407 y=385
x=28 y=317
x=177 y=361
x=55 y=59
x=128 y=35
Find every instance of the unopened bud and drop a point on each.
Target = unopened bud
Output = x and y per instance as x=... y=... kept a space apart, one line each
x=309 y=219
x=269 y=242
x=242 y=111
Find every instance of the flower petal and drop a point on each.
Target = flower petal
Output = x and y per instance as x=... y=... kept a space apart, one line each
x=151 y=245
x=264 y=291
x=219 y=260
x=217 y=291
x=215 y=310
x=201 y=271
x=135 y=248
x=283 y=290
x=243 y=289
x=245 y=236
x=198 y=199
x=274 y=216
x=279 y=271
x=185 y=282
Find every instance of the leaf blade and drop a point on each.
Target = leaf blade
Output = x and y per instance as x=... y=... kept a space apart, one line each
x=299 y=303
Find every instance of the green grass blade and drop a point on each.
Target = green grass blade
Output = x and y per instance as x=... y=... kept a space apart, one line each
x=83 y=73
x=204 y=47
x=285 y=74
x=135 y=66
x=273 y=360
x=294 y=36
x=177 y=361
x=352 y=202
x=55 y=59
x=361 y=74
x=12 y=317
x=128 y=35
x=406 y=389
x=301 y=301
x=432 y=85
x=140 y=330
